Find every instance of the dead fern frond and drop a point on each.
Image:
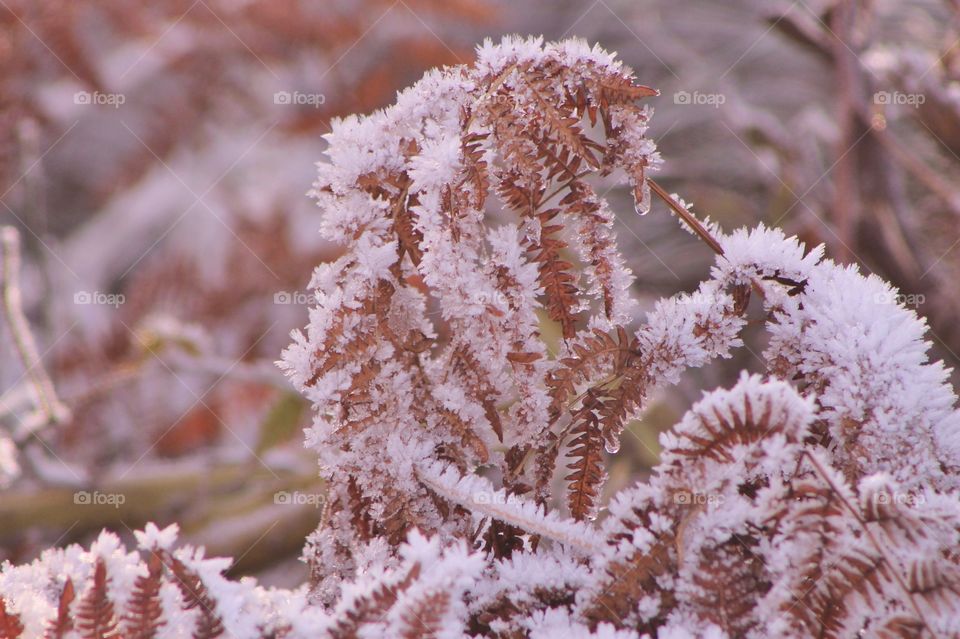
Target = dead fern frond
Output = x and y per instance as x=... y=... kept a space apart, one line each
x=95 y=618
x=64 y=621
x=586 y=451
x=556 y=274
x=595 y=355
x=631 y=579
x=727 y=579
x=441 y=413
x=196 y=597
x=372 y=607
x=144 y=614
x=425 y=617
x=10 y=626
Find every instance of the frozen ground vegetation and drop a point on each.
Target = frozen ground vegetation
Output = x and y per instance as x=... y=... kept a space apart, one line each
x=464 y=456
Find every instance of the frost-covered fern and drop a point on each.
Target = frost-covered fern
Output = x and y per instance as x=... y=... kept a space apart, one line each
x=464 y=461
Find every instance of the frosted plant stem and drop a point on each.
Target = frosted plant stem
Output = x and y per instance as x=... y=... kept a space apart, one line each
x=48 y=405
x=477 y=494
x=873 y=539
x=688 y=219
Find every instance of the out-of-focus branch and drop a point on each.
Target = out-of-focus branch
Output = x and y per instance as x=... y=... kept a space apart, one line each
x=49 y=409
x=132 y=501
x=849 y=83
x=916 y=167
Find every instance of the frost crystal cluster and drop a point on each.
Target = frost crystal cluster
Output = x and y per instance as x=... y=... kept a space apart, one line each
x=464 y=461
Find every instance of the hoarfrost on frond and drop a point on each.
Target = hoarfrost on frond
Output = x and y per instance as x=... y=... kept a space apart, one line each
x=465 y=462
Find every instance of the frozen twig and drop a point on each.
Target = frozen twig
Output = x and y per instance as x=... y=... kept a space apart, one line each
x=49 y=409
x=688 y=219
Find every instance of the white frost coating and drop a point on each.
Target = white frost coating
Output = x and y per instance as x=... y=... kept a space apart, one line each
x=518 y=578
x=478 y=494
x=153 y=537
x=405 y=194
x=557 y=623
x=775 y=402
x=426 y=570
x=761 y=251
x=864 y=354
x=239 y=604
x=448 y=572
x=437 y=164
x=598 y=226
x=32 y=591
x=743 y=492
x=493 y=58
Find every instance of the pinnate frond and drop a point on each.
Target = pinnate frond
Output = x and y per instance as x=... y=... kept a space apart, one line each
x=816 y=497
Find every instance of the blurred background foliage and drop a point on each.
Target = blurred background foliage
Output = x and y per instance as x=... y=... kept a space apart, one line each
x=837 y=120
